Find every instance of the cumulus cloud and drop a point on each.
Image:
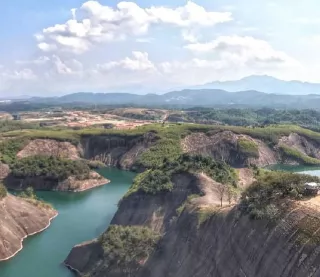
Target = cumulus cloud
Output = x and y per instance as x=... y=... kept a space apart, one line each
x=93 y=23
x=139 y=62
x=243 y=50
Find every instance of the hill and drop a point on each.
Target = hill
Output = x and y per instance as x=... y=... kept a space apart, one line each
x=266 y=84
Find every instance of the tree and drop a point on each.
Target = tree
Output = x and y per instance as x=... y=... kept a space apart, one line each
x=231 y=193
x=221 y=191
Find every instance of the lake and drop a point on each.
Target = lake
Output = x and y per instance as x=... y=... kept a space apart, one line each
x=82 y=217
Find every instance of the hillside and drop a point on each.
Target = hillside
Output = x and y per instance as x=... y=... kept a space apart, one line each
x=199 y=238
x=266 y=84
x=247 y=98
x=20 y=218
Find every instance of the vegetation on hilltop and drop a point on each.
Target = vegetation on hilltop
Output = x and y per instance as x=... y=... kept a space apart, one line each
x=153 y=181
x=248 y=148
x=127 y=247
x=261 y=199
x=249 y=117
x=50 y=167
x=290 y=152
x=9 y=149
x=12 y=125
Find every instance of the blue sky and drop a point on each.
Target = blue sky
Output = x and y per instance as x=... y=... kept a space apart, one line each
x=63 y=46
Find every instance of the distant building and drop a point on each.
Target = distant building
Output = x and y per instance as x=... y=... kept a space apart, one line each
x=16 y=117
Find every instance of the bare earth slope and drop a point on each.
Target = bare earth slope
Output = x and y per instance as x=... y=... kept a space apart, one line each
x=49 y=147
x=19 y=219
x=224 y=146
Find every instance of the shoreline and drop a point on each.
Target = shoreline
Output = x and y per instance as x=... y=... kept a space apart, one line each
x=29 y=235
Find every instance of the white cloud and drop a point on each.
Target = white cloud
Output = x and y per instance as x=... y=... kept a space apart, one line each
x=93 y=23
x=139 y=62
x=189 y=36
x=243 y=50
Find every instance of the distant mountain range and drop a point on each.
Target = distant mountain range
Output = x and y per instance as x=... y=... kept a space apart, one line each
x=190 y=98
x=251 y=92
x=265 y=84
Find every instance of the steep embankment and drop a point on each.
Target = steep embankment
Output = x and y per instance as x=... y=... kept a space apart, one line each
x=200 y=239
x=115 y=150
x=242 y=150
x=20 y=218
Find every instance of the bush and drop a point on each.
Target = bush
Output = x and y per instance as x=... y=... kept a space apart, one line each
x=261 y=199
x=128 y=246
x=9 y=150
x=50 y=167
x=152 y=182
x=3 y=191
x=248 y=148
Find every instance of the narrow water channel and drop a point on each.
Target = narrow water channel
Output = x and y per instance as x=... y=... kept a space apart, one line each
x=310 y=170
x=82 y=216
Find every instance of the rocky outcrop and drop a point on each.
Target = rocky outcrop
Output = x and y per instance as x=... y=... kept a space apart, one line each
x=20 y=218
x=49 y=147
x=4 y=171
x=114 y=150
x=72 y=183
x=224 y=146
x=225 y=243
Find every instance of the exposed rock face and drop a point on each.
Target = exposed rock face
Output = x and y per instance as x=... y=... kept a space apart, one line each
x=226 y=244
x=120 y=151
x=49 y=147
x=224 y=146
x=302 y=144
x=19 y=219
x=233 y=245
x=41 y=183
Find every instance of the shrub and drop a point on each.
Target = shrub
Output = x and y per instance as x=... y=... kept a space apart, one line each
x=3 y=191
x=152 y=182
x=9 y=150
x=248 y=148
x=128 y=246
x=50 y=167
x=261 y=199
x=297 y=155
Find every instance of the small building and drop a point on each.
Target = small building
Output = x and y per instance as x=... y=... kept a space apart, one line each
x=16 y=117
x=312 y=188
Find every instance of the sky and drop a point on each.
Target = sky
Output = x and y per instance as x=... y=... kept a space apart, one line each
x=57 y=47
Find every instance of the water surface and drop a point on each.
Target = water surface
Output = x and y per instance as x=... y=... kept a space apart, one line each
x=310 y=170
x=82 y=216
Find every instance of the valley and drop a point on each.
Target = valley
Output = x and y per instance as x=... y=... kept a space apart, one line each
x=192 y=180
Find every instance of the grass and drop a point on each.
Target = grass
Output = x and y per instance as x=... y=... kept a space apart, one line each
x=296 y=155
x=205 y=213
x=248 y=148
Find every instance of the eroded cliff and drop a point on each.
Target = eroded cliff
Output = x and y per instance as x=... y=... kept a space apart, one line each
x=205 y=240
x=20 y=218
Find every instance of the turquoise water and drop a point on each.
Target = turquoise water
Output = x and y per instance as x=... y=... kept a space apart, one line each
x=311 y=170
x=82 y=216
